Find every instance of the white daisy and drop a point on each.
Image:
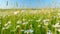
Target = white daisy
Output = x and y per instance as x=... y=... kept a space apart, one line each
x=22 y=30
x=38 y=20
x=9 y=22
x=26 y=31
x=15 y=13
x=30 y=30
x=6 y=24
x=17 y=26
x=49 y=32
x=3 y=28
x=22 y=11
x=46 y=21
x=56 y=26
x=58 y=30
x=19 y=22
x=24 y=23
x=8 y=27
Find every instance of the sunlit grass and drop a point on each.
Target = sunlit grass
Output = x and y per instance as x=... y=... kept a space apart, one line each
x=30 y=22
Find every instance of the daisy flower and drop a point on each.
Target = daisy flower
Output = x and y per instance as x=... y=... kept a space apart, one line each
x=38 y=20
x=6 y=24
x=56 y=25
x=19 y=22
x=49 y=32
x=58 y=30
x=46 y=21
x=9 y=22
x=24 y=23
x=8 y=27
x=15 y=13
x=3 y=28
x=22 y=11
x=17 y=26
x=22 y=30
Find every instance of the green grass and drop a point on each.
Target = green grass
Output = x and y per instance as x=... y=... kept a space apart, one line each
x=29 y=22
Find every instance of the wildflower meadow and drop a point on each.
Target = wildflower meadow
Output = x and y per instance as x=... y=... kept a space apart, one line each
x=32 y=21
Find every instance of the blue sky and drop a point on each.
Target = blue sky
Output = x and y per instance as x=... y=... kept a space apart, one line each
x=29 y=4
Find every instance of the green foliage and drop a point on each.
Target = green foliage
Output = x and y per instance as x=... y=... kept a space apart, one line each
x=29 y=23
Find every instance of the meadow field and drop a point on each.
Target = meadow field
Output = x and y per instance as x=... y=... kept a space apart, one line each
x=29 y=21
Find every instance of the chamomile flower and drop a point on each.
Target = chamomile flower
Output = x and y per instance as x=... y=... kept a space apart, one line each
x=25 y=31
x=46 y=21
x=22 y=30
x=22 y=11
x=56 y=25
x=19 y=22
x=9 y=22
x=24 y=23
x=8 y=27
x=49 y=32
x=58 y=30
x=15 y=13
x=3 y=28
x=38 y=20
x=28 y=31
x=6 y=24
x=17 y=26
